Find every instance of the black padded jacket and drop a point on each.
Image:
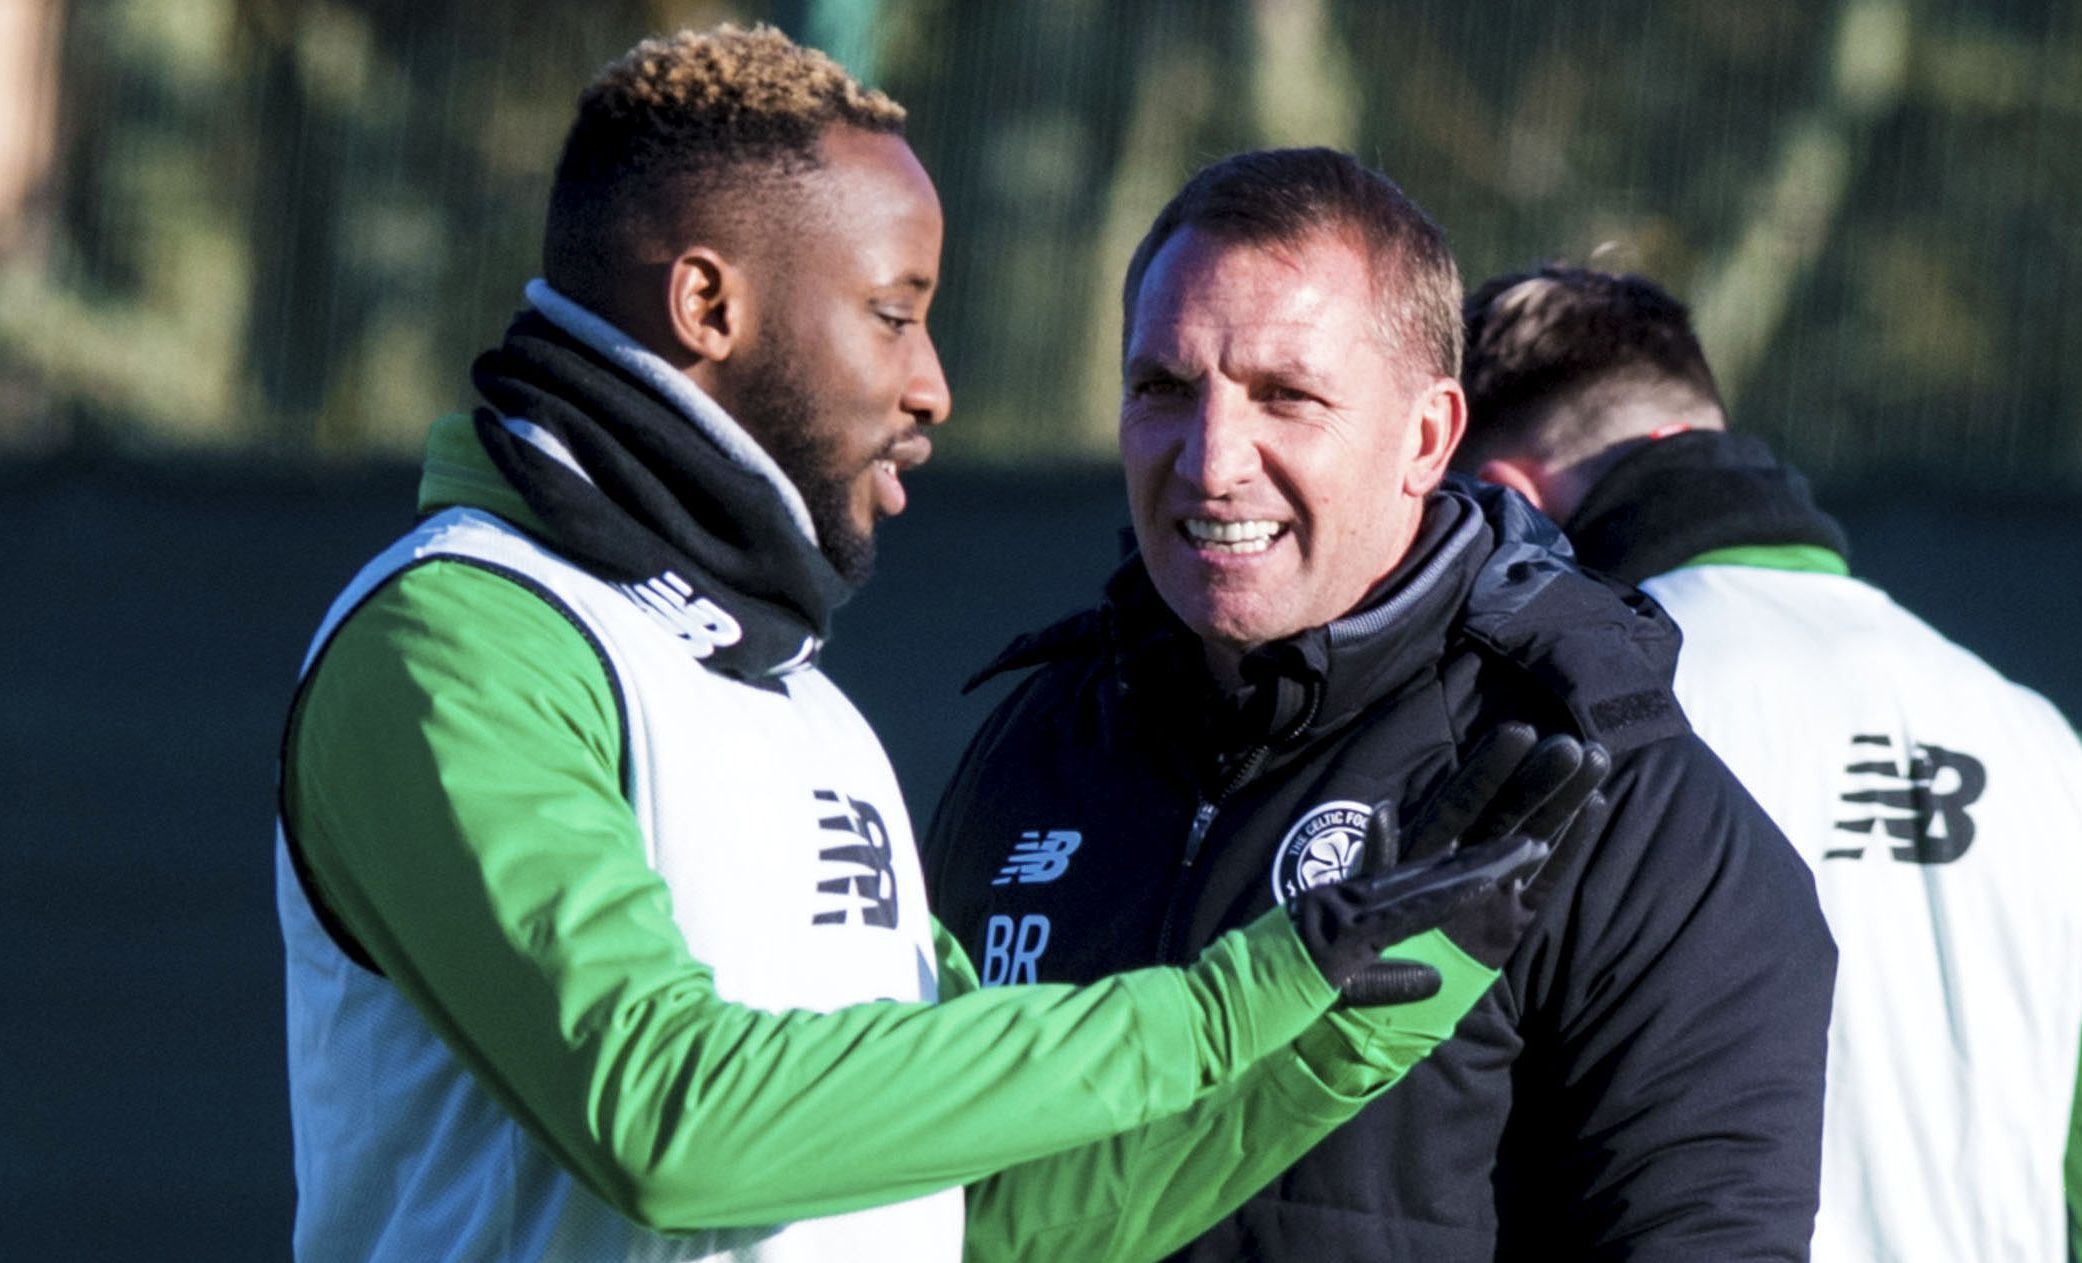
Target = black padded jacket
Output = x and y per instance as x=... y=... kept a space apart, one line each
x=1645 y=1082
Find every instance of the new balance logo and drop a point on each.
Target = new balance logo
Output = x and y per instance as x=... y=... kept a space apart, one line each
x=1039 y=857
x=1922 y=804
x=698 y=621
x=870 y=892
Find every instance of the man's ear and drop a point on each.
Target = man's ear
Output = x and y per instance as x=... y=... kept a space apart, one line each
x=1442 y=417
x=707 y=304
x=1519 y=475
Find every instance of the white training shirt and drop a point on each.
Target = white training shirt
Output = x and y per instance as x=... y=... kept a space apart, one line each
x=1940 y=807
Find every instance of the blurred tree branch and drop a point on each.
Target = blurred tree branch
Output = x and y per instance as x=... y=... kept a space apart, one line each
x=1744 y=296
x=290 y=223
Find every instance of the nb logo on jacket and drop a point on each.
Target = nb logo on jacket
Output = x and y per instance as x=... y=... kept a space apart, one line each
x=1039 y=856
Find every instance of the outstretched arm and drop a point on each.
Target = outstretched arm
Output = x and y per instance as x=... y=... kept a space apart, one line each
x=1472 y=865
x=473 y=839
x=1146 y=1193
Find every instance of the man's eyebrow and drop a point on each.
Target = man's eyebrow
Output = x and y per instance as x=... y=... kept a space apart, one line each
x=1298 y=371
x=1147 y=362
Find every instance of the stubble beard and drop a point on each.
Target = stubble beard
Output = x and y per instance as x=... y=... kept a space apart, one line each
x=781 y=413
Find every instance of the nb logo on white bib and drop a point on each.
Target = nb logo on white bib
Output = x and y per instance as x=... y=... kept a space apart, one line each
x=700 y=622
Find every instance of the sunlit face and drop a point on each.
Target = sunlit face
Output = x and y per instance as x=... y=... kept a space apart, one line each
x=1277 y=450
x=839 y=379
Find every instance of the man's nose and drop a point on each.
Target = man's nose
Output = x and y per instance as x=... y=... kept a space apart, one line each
x=1220 y=448
x=926 y=395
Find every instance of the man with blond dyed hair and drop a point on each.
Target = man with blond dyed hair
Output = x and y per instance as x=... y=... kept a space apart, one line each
x=605 y=934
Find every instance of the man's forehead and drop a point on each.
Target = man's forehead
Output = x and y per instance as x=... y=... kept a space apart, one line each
x=1318 y=262
x=867 y=173
x=871 y=195
x=1171 y=335
x=1250 y=292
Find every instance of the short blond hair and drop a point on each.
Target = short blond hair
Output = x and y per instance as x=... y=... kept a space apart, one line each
x=670 y=136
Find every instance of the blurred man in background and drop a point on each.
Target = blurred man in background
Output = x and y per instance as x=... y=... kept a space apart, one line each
x=1939 y=805
x=605 y=931
x=1312 y=622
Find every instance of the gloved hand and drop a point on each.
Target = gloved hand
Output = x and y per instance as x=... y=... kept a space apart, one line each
x=1475 y=847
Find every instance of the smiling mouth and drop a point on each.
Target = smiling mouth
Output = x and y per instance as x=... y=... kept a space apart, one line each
x=1250 y=536
x=886 y=472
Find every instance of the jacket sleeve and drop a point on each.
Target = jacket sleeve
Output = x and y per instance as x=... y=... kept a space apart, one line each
x=452 y=783
x=1148 y=1192
x=1669 y=1101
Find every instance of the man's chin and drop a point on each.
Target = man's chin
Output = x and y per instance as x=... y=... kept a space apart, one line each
x=1216 y=610
x=850 y=550
x=1219 y=627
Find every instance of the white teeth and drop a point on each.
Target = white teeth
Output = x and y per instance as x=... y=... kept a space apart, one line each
x=1232 y=537
x=887 y=467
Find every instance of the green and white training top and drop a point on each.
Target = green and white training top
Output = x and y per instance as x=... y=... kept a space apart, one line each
x=1940 y=807
x=777 y=826
x=656 y=971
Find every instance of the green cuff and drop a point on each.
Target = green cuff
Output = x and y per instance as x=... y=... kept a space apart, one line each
x=1362 y=1052
x=1308 y=1096
x=1256 y=989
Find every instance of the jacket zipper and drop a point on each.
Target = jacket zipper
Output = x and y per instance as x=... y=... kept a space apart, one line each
x=1203 y=820
x=1210 y=804
x=1196 y=837
x=1203 y=816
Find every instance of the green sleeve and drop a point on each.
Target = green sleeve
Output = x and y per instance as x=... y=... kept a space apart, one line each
x=957 y=972
x=2074 y=1173
x=1146 y=1193
x=453 y=785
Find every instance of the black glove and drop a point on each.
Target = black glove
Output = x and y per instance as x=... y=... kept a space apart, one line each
x=1476 y=846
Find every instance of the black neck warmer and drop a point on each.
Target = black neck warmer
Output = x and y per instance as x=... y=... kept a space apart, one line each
x=1691 y=493
x=657 y=497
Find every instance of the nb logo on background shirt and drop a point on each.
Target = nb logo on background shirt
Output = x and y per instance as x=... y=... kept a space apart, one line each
x=700 y=622
x=1039 y=857
x=1923 y=804
x=871 y=890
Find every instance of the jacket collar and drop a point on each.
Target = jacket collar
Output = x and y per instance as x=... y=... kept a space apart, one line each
x=1486 y=572
x=1318 y=679
x=1702 y=491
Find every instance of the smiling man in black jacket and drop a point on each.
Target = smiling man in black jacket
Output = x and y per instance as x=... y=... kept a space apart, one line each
x=1314 y=620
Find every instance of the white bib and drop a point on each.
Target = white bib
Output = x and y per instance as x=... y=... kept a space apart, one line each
x=773 y=816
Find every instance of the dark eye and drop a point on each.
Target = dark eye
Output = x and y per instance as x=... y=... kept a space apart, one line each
x=1285 y=394
x=1157 y=386
x=896 y=320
